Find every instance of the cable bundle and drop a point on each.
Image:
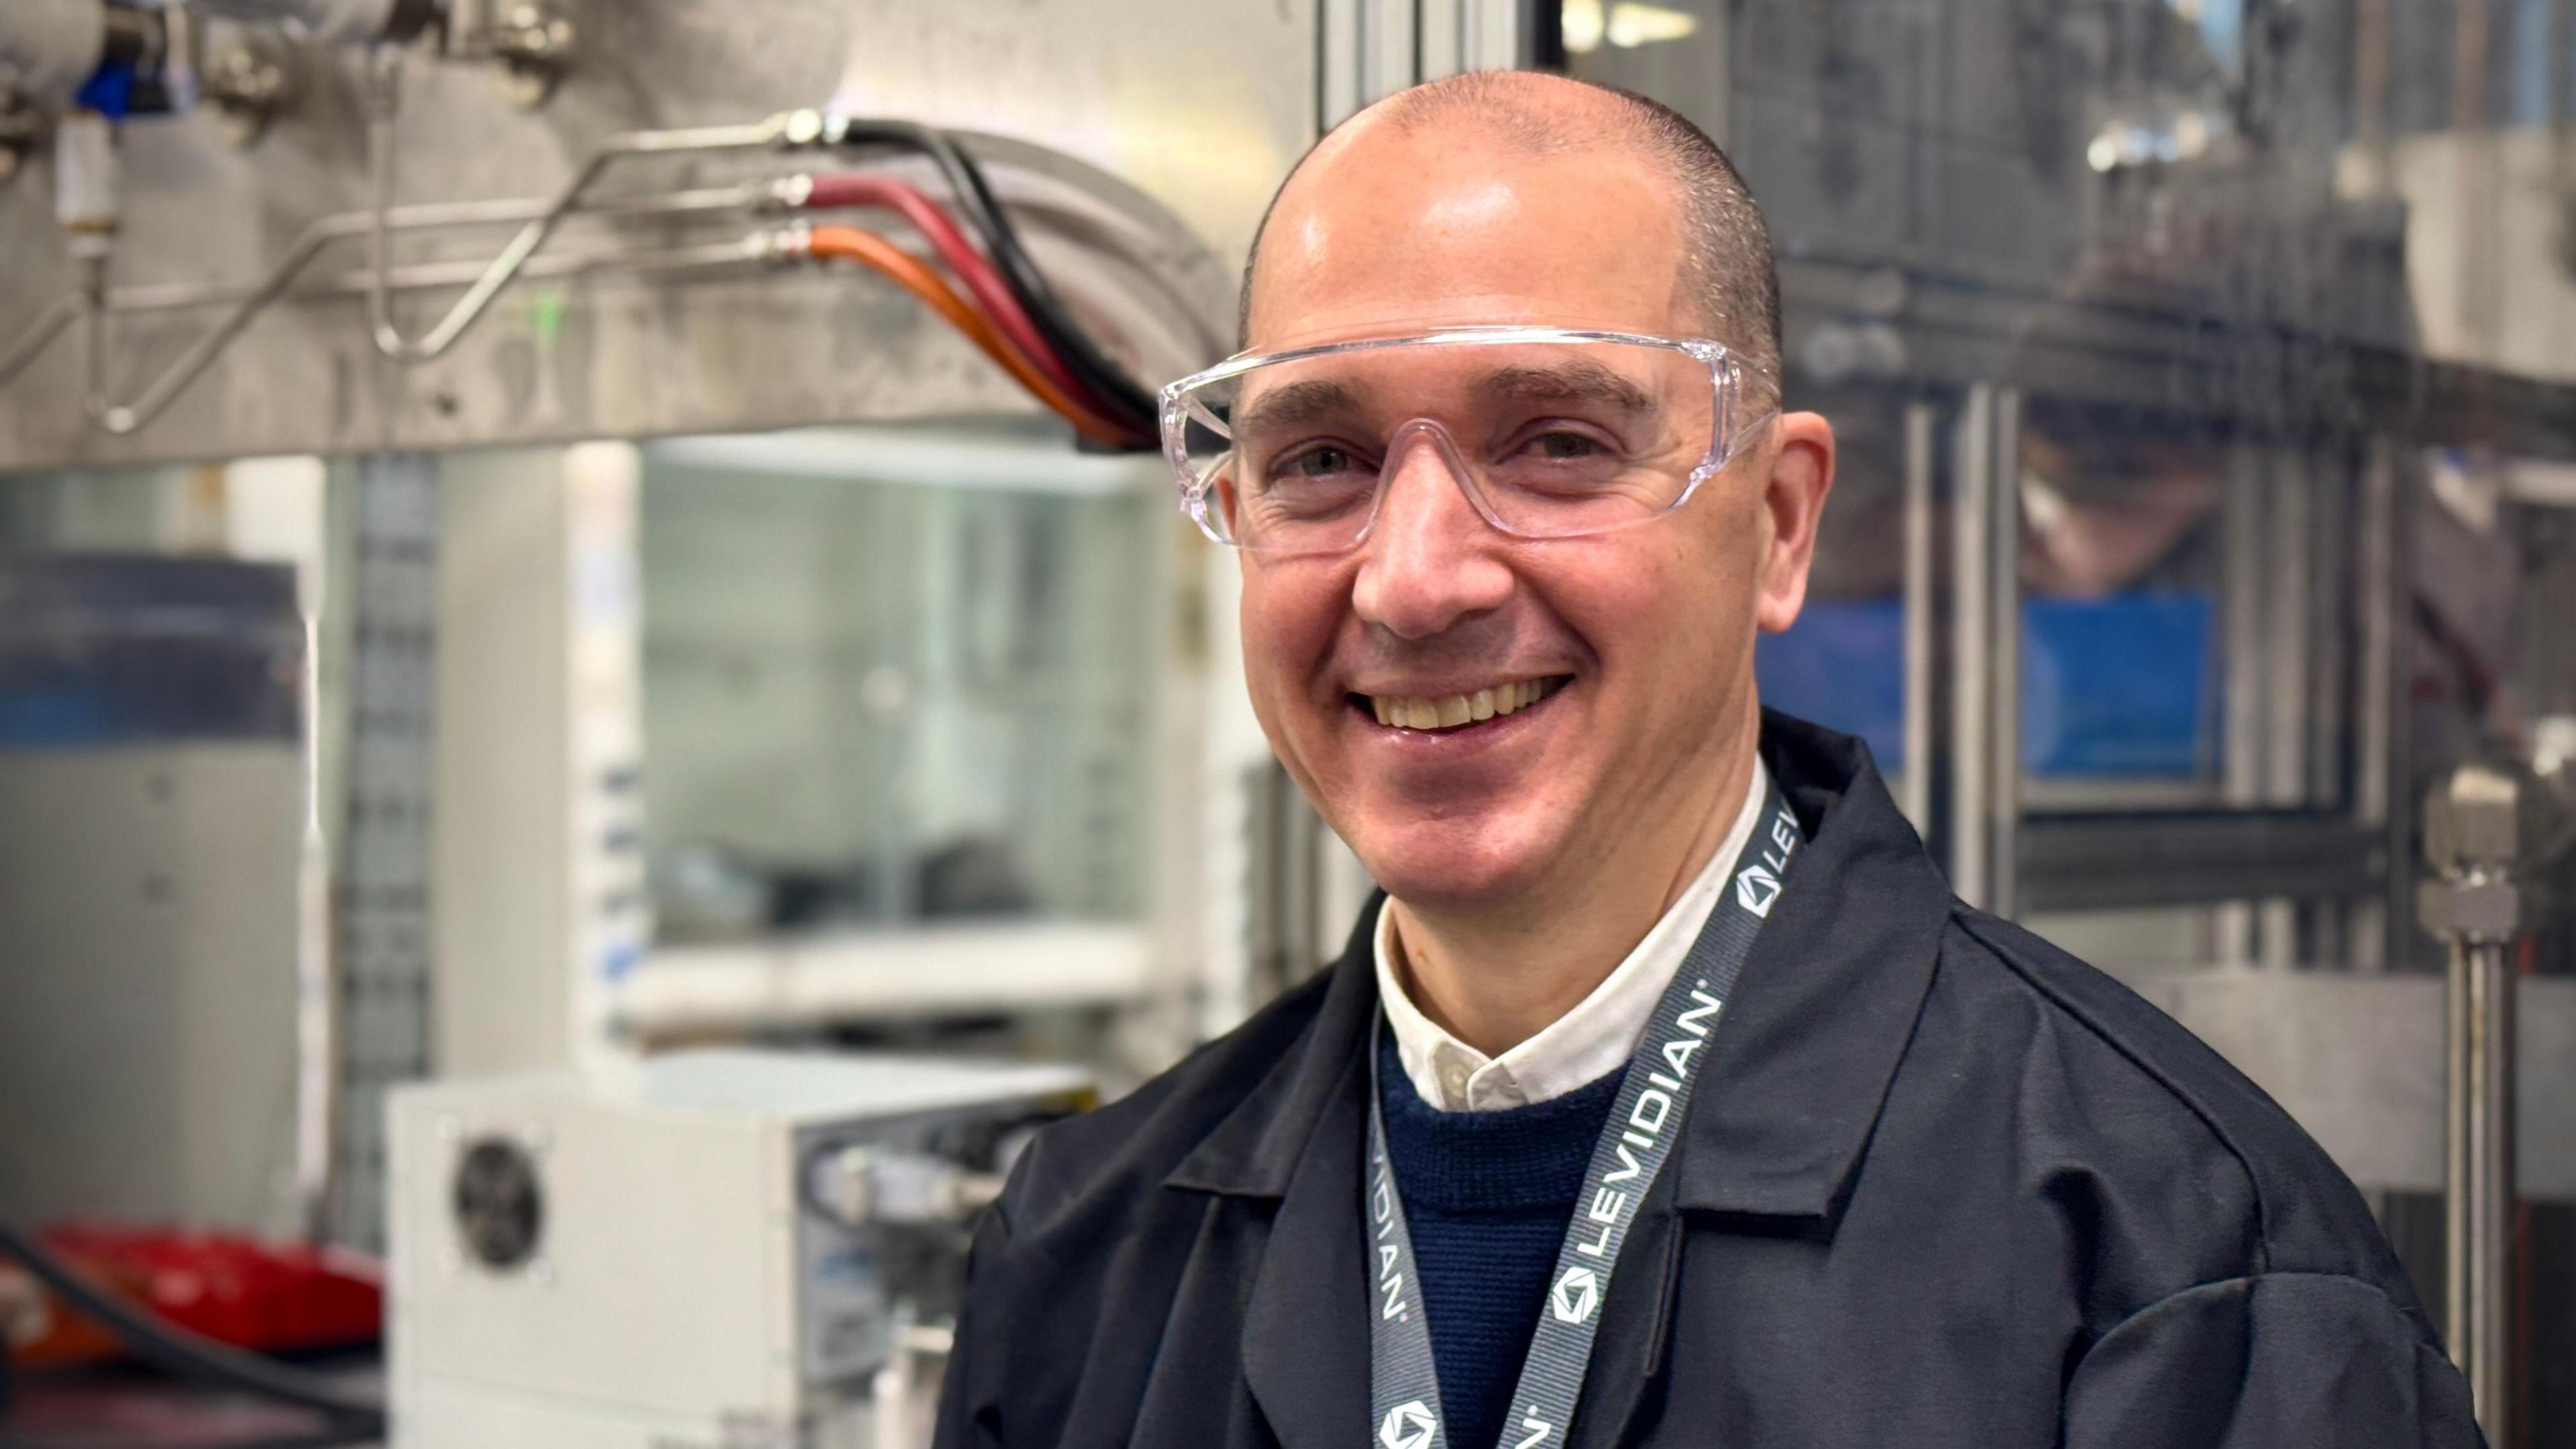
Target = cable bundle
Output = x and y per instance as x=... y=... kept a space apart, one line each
x=1007 y=310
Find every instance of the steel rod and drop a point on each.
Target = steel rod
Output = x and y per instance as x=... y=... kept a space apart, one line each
x=249 y=302
x=1919 y=620
x=2003 y=557
x=1972 y=650
x=2478 y=1206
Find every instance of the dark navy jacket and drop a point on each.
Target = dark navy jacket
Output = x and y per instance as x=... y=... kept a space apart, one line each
x=1941 y=1187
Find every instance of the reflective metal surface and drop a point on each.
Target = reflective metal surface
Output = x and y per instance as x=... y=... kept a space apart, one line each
x=1184 y=125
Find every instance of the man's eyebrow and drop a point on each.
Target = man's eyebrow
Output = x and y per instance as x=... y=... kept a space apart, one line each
x=1292 y=404
x=1568 y=381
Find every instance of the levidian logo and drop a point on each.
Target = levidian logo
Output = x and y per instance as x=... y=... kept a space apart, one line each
x=1577 y=1294
x=1408 y=1426
x=1758 y=884
x=1756 y=888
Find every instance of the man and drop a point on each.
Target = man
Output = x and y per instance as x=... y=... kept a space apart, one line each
x=1668 y=1097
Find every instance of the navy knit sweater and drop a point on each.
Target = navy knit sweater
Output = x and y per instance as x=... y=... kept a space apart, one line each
x=1487 y=1196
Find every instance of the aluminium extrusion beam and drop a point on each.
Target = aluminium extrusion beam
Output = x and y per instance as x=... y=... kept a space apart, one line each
x=2118 y=862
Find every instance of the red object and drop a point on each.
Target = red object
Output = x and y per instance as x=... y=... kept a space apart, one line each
x=862 y=189
x=265 y=1297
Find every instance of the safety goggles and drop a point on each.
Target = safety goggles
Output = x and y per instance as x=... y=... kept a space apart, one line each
x=1550 y=432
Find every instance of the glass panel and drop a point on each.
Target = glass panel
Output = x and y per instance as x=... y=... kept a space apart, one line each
x=936 y=702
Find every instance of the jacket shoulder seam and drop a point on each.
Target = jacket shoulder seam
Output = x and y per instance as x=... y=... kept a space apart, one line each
x=1967 y=921
x=2376 y=1291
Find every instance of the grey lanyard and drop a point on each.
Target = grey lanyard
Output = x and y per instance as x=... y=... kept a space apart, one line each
x=1404 y=1392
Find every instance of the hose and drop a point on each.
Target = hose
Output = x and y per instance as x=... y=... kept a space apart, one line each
x=185 y=1354
x=877 y=254
x=925 y=216
x=1130 y=404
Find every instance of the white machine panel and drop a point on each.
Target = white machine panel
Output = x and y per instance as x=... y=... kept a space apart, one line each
x=705 y=1249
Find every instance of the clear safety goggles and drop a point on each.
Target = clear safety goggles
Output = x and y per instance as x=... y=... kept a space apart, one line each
x=1550 y=432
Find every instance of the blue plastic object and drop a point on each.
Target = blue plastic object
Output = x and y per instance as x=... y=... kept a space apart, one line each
x=2121 y=687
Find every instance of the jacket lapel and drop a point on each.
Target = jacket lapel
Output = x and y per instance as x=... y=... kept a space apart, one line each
x=1297 y=1139
x=1305 y=1330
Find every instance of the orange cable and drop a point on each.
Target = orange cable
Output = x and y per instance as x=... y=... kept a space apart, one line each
x=909 y=272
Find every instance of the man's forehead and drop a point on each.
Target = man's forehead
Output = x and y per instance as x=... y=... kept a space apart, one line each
x=1424 y=229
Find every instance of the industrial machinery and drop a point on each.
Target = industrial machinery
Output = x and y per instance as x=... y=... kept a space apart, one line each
x=721 y=1248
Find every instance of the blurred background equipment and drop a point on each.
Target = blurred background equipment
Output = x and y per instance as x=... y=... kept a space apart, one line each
x=540 y=536
x=152 y=785
x=705 y=1247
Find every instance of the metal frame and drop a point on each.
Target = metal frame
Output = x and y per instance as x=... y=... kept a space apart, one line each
x=383 y=1008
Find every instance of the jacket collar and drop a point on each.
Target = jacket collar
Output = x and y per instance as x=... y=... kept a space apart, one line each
x=1803 y=1055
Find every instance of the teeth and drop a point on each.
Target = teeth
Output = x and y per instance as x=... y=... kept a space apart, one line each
x=1453 y=710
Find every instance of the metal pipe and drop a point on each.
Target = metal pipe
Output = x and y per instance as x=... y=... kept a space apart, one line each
x=122 y=419
x=38 y=336
x=2003 y=879
x=1919 y=604
x=2485 y=828
x=2478 y=1200
x=435 y=343
x=432 y=276
x=1972 y=641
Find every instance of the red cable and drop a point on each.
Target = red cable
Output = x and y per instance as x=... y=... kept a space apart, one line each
x=853 y=189
x=915 y=276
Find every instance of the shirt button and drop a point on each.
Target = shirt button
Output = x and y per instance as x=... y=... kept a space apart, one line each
x=1453 y=1081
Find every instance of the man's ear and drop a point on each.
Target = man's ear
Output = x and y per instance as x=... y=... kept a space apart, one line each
x=1802 y=473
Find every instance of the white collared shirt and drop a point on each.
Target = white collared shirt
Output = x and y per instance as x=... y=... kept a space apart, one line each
x=1586 y=1044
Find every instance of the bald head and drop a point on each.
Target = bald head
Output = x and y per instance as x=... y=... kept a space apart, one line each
x=1544 y=130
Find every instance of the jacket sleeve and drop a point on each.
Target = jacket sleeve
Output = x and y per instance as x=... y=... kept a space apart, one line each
x=2311 y=1359
x=967 y=1417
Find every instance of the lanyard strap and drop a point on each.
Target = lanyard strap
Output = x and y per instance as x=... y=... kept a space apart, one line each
x=1404 y=1391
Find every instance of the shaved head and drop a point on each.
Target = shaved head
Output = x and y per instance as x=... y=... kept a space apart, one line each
x=1724 y=263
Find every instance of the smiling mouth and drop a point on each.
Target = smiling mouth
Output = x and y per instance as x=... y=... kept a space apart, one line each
x=1458 y=711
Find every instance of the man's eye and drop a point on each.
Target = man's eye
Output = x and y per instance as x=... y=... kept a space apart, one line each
x=1321 y=461
x=1563 y=447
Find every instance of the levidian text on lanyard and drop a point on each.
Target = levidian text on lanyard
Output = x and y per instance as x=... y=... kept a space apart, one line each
x=1404 y=1398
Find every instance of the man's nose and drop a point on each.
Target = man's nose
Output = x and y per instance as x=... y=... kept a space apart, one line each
x=1430 y=560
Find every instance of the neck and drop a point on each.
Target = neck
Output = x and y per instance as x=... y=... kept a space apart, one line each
x=1494 y=978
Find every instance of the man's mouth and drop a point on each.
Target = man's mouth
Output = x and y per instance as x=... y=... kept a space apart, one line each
x=1456 y=711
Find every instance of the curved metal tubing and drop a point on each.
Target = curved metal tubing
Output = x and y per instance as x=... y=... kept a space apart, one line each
x=439 y=339
x=121 y=419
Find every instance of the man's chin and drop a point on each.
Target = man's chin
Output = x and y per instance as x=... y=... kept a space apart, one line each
x=1439 y=872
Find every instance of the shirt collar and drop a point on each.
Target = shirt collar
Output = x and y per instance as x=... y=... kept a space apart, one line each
x=1590 y=1041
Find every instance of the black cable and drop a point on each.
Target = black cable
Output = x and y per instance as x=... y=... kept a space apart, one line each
x=1115 y=390
x=332 y=1438
x=184 y=1354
